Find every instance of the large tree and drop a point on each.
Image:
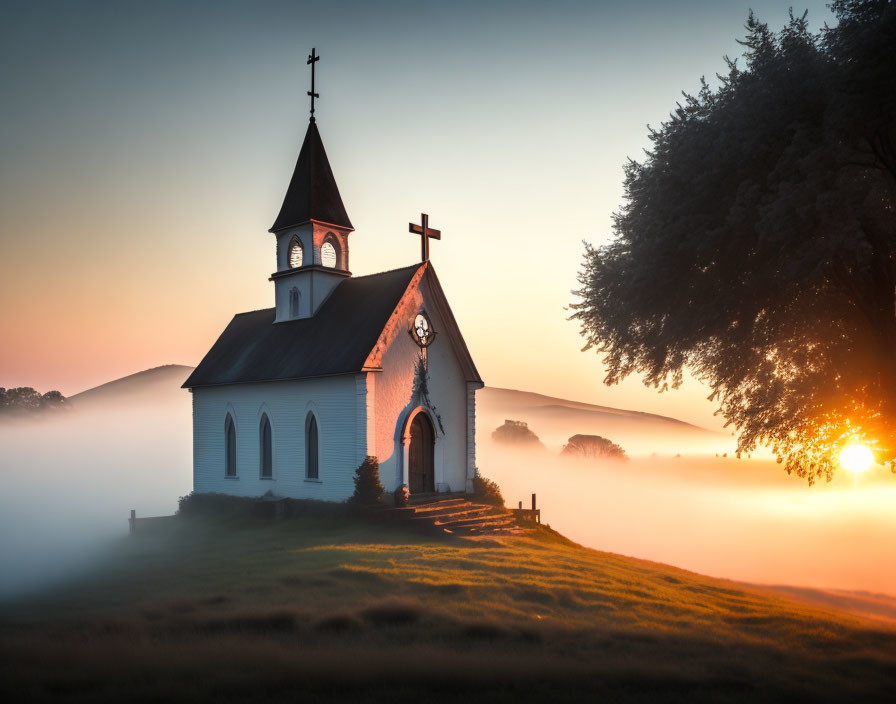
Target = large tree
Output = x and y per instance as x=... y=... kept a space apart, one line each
x=756 y=245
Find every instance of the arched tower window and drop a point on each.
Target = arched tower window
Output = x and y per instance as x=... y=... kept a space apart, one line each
x=293 y=302
x=229 y=447
x=296 y=253
x=266 y=455
x=311 y=447
x=329 y=253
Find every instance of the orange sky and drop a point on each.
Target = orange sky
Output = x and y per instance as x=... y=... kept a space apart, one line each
x=147 y=155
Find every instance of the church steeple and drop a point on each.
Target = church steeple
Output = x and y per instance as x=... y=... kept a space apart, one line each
x=312 y=194
x=312 y=230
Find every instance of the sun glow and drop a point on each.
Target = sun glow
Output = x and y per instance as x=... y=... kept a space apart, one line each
x=856 y=458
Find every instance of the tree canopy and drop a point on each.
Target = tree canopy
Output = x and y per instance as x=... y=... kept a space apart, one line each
x=756 y=246
x=26 y=399
x=593 y=447
x=515 y=432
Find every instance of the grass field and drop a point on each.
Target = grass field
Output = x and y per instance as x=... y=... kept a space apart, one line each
x=329 y=606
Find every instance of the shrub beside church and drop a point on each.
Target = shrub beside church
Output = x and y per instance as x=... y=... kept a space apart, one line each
x=368 y=488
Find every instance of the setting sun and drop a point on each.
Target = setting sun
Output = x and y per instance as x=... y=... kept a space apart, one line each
x=856 y=458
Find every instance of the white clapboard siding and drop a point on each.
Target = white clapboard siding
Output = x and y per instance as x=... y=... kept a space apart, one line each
x=287 y=403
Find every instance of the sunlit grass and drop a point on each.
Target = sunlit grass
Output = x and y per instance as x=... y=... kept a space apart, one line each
x=335 y=605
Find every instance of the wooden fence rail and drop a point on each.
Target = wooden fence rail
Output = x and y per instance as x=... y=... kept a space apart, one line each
x=142 y=523
x=527 y=515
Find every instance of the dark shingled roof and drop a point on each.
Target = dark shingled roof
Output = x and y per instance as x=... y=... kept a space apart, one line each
x=336 y=340
x=312 y=192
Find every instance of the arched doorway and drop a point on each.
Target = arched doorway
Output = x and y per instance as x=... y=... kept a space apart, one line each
x=421 y=461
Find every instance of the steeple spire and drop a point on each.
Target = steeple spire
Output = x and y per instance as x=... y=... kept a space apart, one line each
x=312 y=194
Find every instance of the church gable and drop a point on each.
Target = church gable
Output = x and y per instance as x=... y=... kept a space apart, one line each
x=411 y=303
x=429 y=385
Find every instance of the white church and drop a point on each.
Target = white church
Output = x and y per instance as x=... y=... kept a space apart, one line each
x=291 y=399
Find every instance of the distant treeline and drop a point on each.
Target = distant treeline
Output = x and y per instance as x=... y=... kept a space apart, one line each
x=517 y=432
x=26 y=399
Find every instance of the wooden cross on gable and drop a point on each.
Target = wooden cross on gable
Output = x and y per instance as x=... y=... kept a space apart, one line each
x=312 y=59
x=425 y=232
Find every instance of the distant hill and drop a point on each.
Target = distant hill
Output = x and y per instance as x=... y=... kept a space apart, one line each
x=496 y=397
x=159 y=384
x=555 y=420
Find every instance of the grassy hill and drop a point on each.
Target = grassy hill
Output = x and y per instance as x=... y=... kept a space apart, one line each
x=329 y=606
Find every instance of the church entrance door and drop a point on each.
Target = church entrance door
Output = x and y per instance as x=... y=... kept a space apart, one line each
x=421 y=465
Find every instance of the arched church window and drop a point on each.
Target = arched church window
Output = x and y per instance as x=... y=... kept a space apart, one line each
x=293 y=302
x=328 y=254
x=296 y=253
x=229 y=447
x=311 y=447
x=266 y=458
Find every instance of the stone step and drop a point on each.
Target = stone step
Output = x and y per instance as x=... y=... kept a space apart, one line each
x=448 y=510
x=414 y=514
x=473 y=511
x=444 y=520
x=440 y=506
x=509 y=530
x=456 y=514
x=418 y=499
x=497 y=530
x=476 y=522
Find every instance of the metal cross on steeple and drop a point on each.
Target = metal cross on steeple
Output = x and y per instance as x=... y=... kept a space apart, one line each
x=425 y=232
x=312 y=59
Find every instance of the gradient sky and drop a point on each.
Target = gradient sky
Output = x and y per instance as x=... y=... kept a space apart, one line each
x=146 y=148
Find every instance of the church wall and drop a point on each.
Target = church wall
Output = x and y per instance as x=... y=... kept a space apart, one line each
x=334 y=401
x=447 y=394
x=448 y=391
x=394 y=387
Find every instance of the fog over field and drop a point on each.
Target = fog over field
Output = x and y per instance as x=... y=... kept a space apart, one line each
x=70 y=482
x=713 y=515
